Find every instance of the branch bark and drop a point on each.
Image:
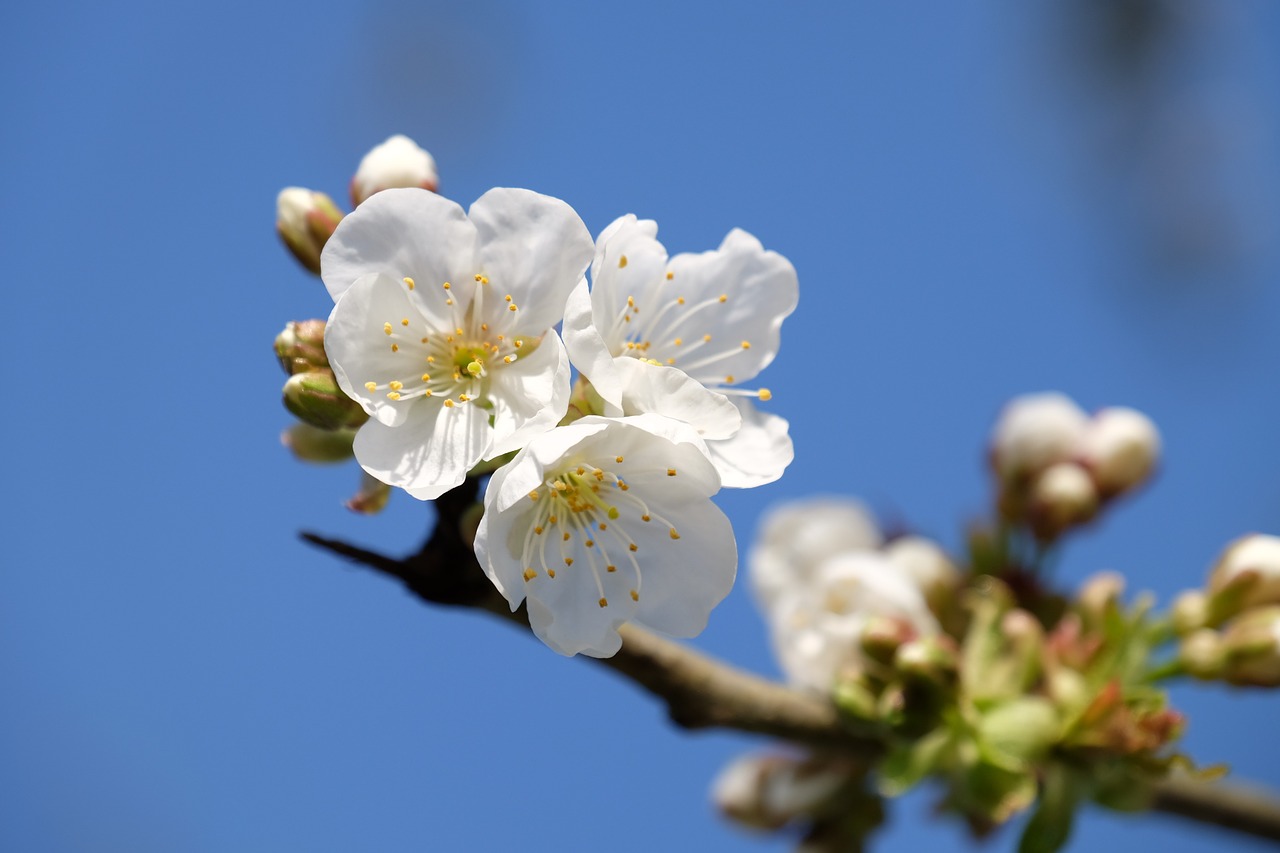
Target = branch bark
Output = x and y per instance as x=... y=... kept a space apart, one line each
x=701 y=692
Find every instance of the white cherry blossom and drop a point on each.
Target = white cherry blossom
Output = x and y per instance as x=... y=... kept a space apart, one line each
x=715 y=317
x=442 y=327
x=607 y=521
x=398 y=162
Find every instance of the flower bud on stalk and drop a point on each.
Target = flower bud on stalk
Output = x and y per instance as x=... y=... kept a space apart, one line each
x=300 y=347
x=1035 y=431
x=1063 y=496
x=1202 y=654
x=1120 y=448
x=314 y=397
x=771 y=791
x=1247 y=575
x=305 y=219
x=398 y=162
x=1252 y=647
x=321 y=446
x=372 y=497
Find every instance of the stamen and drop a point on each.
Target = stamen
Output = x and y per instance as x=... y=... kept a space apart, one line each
x=409 y=282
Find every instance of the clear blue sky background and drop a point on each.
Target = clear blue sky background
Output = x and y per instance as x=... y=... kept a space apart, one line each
x=975 y=210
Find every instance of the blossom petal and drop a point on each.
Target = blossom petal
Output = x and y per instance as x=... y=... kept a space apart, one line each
x=401 y=232
x=757 y=453
x=430 y=452
x=529 y=396
x=760 y=290
x=674 y=394
x=694 y=574
x=360 y=350
x=587 y=348
x=534 y=248
x=504 y=531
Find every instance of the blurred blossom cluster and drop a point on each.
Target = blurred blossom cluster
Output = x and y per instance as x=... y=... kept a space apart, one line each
x=974 y=671
x=443 y=359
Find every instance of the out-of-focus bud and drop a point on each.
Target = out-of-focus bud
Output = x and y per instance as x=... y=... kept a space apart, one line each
x=921 y=560
x=1202 y=654
x=1062 y=496
x=1100 y=595
x=771 y=791
x=372 y=497
x=1035 y=431
x=300 y=347
x=314 y=397
x=928 y=659
x=1018 y=733
x=398 y=162
x=1190 y=611
x=1246 y=575
x=1252 y=645
x=882 y=636
x=305 y=219
x=312 y=444
x=1120 y=448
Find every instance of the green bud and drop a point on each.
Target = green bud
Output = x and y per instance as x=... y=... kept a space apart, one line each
x=1018 y=733
x=927 y=660
x=372 y=497
x=1202 y=654
x=312 y=444
x=300 y=347
x=315 y=398
x=856 y=699
x=305 y=219
x=1252 y=646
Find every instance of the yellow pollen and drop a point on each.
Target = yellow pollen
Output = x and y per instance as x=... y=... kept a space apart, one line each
x=589 y=542
x=462 y=398
x=671 y=361
x=447 y=285
x=519 y=343
x=729 y=379
x=566 y=537
x=634 y=547
x=645 y=517
x=724 y=297
x=603 y=526
x=530 y=574
x=478 y=276
x=635 y=596
x=426 y=377
x=706 y=339
x=568 y=561
x=458 y=332
x=679 y=341
x=551 y=573
x=511 y=307
x=581 y=470
x=426 y=393
x=671 y=472
x=404 y=321
x=670 y=276
x=617 y=459
x=448 y=302
x=622 y=262
x=538 y=530
x=409 y=282
x=393 y=395
x=610 y=568
x=372 y=386
x=507 y=297
x=552 y=520
x=448 y=404
x=484 y=327
x=604 y=602
x=623 y=486
x=679 y=300
x=674 y=535
x=533 y=496
x=506 y=359
x=395 y=385
x=631 y=301
x=424 y=340
x=431 y=359
x=395 y=348
x=386 y=328
x=598 y=474
x=484 y=280
x=746 y=344
x=765 y=394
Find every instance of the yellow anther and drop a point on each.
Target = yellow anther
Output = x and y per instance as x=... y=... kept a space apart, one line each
x=426 y=393
x=507 y=297
x=674 y=535
x=617 y=459
x=386 y=328
x=729 y=379
x=462 y=398
x=568 y=561
x=679 y=300
x=765 y=394
x=512 y=307
x=533 y=496
x=431 y=359
x=395 y=348
x=372 y=386
x=484 y=280
x=409 y=282
x=631 y=301
x=404 y=321
x=724 y=297
x=506 y=359
x=706 y=339
x=610 y=568
x=448 y=404
x=426 y=377
x=746 y=344
x=551 y=520
x=679 y=341
x=484 y=327
x=604 y=526
x=424 y=340
x=635 y=596
x=598 y=474
x=645 y=517
x=393 y=395
x=671 y=361
x=670 y=276
x=671 y=472
x=479 y=277
x=448 y=302
x=624 y=487
x=446 y=285
x=622 y=262
x=458 y=332
x=604 y=602
x=634 y=547
x=588 y=542
x=551 y=573
x=566 y=536
x=518 y=343
x=395 y=385
x=538 y=530
x=530 y=574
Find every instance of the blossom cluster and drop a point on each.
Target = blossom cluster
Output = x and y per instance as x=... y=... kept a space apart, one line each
x=444 y=342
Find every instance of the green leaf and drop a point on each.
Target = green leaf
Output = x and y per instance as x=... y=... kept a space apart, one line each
x=1050 y=826
x=908 y=763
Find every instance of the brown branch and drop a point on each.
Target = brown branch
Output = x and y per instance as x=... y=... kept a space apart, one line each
x=701 y=692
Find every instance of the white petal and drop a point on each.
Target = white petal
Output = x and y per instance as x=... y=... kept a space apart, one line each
x=587 y=348
x=359 y=349
x=534 y=248
x=575 y=634
x=672 y=393
x=757 y=453
x=761 y=290
x=691 y=575
x=525 y=472
x=401 y=232
x=529 y=396
x=499 y=541
x=428 y=454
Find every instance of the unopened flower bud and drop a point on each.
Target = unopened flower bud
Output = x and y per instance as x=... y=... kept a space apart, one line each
x=1021 y=731
x=305 y=219
x=372 y=497
x=921 y=560
x=398 y=162
x=322 y=446
x=1100 y=595
x=300 y=347
x=927 y=659
x=1035 y=431
x=1202 y=654
x=314 y=397
x=771 y=791
x=882 y=635
x=1252 y=645
x=1120 y=448
x=1246 y=575
x=1190 y=611
x=1062 y=496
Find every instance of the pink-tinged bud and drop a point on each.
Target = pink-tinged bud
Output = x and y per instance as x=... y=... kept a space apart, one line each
x=398 y=162
x=1062 y=496
x=300 y=347
x=1120 y=448
x=1252 y=645
x=1202 y=654
x=321 y=446
x=771 y=791
x=1246 y=575
x=1035 y=431
x=372 y=497
x=305 y=219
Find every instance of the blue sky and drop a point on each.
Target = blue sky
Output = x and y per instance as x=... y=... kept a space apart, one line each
x=974 y=210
